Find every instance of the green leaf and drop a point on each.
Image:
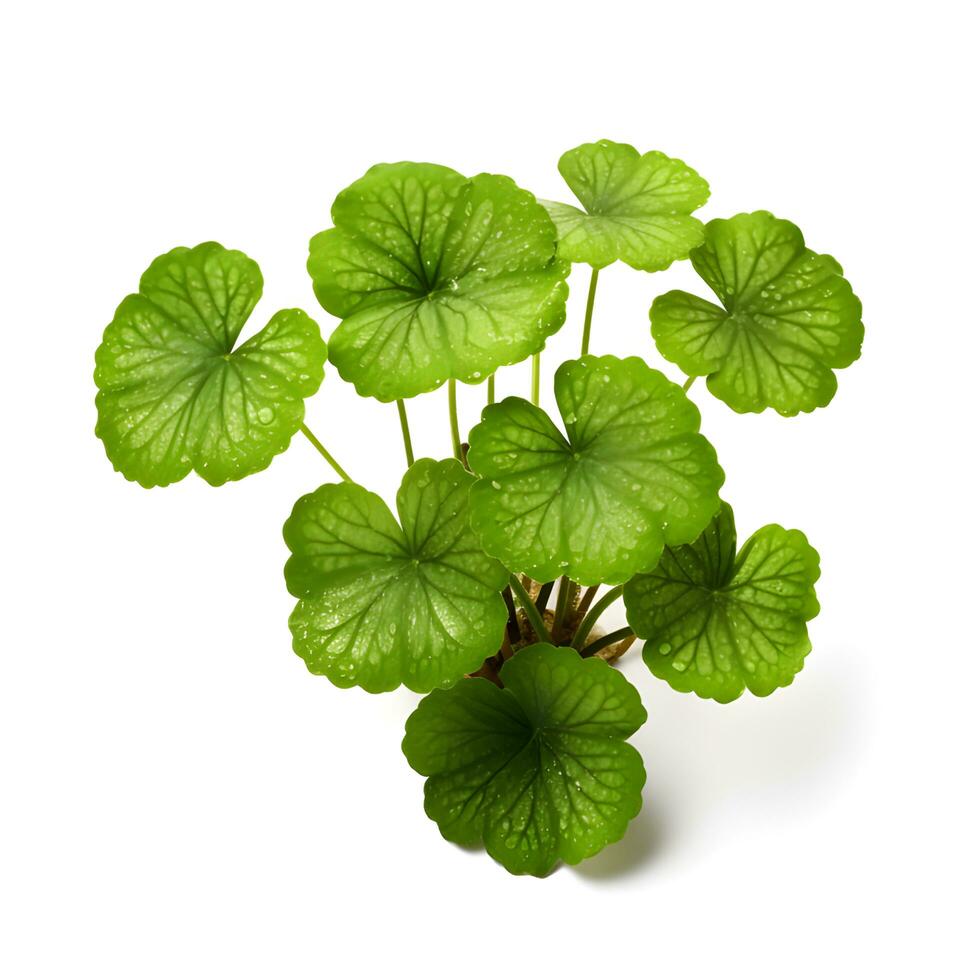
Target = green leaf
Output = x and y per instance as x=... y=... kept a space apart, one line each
x=598 y=505
x=637 y=207
x=175 y=394
x=717 y=622
x=789 y=317
x=382 y=605
x=435 y=277
x=537 y=771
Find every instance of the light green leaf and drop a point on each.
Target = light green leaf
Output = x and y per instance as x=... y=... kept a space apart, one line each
x=175 y=394
x=537 y=771
x=599 y=504
x=717 y=622
x=637 y=207
x=789 y=317
x=382 y=605
x=435 y=277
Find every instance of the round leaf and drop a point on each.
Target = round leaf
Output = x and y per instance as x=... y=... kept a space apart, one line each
x=537 y=771
x=175 y=394
x=637 y=207
x=382 y=605
x=789 y=317
x=435 y=277
x=717 y=622
x=599 y=504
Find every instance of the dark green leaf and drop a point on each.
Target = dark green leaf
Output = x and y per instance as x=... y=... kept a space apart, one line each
x=539 y=771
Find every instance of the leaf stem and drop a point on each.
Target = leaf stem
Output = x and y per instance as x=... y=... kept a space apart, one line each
x=544 y=593
x=513 y=627
x=406 y=435
x=589 y=305
x=530 y=609
x=454 y=421
x=586 y=600
x=322 y=450
x=536 y=378
x=561 y=608
x=585 y=627
x=609 y=655
x=689 y=382
x=606 y=641
x=490 y=388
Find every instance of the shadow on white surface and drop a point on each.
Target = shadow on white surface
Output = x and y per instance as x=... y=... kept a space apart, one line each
x=719 y=775
x=644 y=841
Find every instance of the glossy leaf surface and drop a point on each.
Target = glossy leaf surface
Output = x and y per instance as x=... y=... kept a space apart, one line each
x=381 y=604
x=635 y=207
x=716 y=621
x=176 y=394
x=788 y=318
x=538 y=772
x=435 y=277
x=599 y=501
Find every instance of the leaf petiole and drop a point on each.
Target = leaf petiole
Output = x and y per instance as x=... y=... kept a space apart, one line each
x=454 y=421
x=614 y=653
x=561 y=608
x=589 y=305
x=490 y=388
x=530 y=609
x=544 y=594
x=690 y=381
x=536 y=379
x=406 y=435
x=608 y=640
x=583 y=605
x=585 y=627
x=513 y=627
x=322 y=450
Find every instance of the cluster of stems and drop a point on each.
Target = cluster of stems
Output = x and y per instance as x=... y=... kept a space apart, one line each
x=573 y=620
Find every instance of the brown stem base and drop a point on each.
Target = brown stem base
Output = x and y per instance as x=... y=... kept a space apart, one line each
x=519 y=632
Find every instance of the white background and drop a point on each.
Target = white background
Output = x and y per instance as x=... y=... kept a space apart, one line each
x=180 y=798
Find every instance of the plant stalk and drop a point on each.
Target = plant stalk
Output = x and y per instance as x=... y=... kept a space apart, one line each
x=322 y=450
x=589 y=305
x=406 y=435
x=490 y=388
x=608 y=640
x=536 y=379
x=530 y=609
x=454 y=421
x=689 y=382
x=561 y=608
x=585 y=627
x=586 y=601
x=611 y=654
x=544 y=593
x=513 y=627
